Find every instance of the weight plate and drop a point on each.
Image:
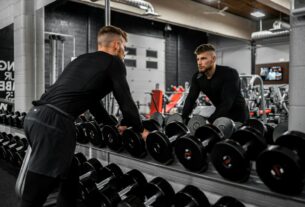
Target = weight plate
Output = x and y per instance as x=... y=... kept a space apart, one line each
x=226 y=125
x=228 y=201
x=112 y=138
x=191 y=196
x=159 y=147
x=94 y=134
x=195 y=122
x=281 y=170
x=208 y=136
x=151 y=125
x=191 y=154
x=134 y=143
x=173 y=118
x=230 y=160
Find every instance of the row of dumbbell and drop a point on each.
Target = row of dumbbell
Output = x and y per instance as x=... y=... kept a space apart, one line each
x=108 y=186
x=12 y=148
x=14 y=119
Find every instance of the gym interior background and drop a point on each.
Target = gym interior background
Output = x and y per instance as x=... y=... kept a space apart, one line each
x=40 y=37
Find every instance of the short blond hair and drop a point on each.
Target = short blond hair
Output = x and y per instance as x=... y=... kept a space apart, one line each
x=109 y=32
x=204 y=48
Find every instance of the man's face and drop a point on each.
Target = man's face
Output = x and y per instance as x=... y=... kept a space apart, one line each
x=205 y=61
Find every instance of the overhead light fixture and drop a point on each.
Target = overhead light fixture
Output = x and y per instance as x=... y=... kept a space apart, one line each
x=258 y=14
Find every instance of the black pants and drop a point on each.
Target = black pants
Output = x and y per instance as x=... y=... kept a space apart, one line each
x=37 y=188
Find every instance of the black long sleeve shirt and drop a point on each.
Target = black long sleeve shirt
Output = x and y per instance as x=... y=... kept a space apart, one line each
x=223 y=89
x=86 y=80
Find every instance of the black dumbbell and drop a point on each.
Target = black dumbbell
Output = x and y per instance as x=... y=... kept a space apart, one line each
x=158 y=192
x=10 y=140
x=2 y=114
x=228 y=201
x=12 y=119
x=192 y=151
x=80 y=158
x=7 y=118
x=195 y=122
x=20 y=120
x=94 y=134
x=81 y=132
x=4 y=141
x=90 y=168
x=90 y=187
x=282 y=166
x=191 y=196
x=232 y=157
x=160 y=145
x=131 y=183
x=16 y=151
x=133 y=141
x=173 y=118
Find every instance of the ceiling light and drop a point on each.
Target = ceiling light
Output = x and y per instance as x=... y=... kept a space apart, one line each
x=258 y=14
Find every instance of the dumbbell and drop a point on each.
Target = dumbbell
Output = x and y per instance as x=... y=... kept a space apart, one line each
x=81 y=132
x=133 y=141
x=80 y=158
x=18 y=122
x=160 y=145
x=131 y=183
x=173 y=118
x=7 y=118
x=195 y=122
x=282 y=166
x=2 y=114
x=191 y=196
x=12 y=118
x=192 y=151
x=16 y=151
x=90 y=187
x=5 y=145
x=232 y=157
x=158 y=192
x=228 y=201
x=90 y=168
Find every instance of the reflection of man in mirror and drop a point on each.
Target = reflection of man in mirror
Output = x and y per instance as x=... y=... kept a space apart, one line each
x=271 y=75
x=264 y=73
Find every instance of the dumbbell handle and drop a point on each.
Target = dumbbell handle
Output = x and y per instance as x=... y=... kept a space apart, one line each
x=102 y=184
x=152 y=199
x=174 y=137
x=87 y=174
x=123 y=192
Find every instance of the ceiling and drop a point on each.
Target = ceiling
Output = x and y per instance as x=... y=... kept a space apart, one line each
x=243 y=8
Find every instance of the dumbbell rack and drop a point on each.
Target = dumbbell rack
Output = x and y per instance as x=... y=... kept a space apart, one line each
x=252 y=193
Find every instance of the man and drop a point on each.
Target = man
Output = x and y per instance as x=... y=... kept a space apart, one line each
x=220 y=83
x=49 y=125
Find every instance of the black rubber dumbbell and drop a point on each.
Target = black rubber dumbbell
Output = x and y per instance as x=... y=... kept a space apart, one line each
x=131 y=183
x=81 y=132
x=133 y=141
x=90 y=168
x=80 y=158
x=192 y=151
x=191 y=196
x=10 y=140
x=157 y=193
x=16 y=151
x=12 y=119
x=18 y=122
x=232 y=157
x=3 y=117
x=228 y=201
x=90 y=187
x=282 y=166
x=160 y=144
x=4 y=141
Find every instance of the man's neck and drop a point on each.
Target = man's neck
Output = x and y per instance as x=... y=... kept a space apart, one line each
x=209 y=74
x=106 y=50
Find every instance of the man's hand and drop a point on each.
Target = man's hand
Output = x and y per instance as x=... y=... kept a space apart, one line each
x=144 y=134
x=121 y=129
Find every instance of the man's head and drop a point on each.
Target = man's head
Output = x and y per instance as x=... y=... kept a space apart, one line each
x=206 y=57
x=112 y=40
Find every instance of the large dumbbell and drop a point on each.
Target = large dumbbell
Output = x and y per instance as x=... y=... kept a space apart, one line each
x=173 y=118
x=9 y=140
x=228 y=201
x=90 y=168
x=195 y=122
x=191 y=196
x=160 y=145
x=131 y=183
x=282 y=166
x=90 y=187
x=133 y=141
x=16 y=151
x=232 y=157
x=192 y=151
x=158 y=192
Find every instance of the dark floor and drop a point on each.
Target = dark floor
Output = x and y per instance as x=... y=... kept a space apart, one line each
x=8 y=176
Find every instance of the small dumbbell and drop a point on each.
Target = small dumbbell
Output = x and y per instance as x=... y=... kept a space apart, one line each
x=133 y=141
x=191 y=196
x=282 y=166
x=228 y=201
x=90 y=187
x=90 y=168
x=232 y=157
x=131 y=183
x=192 y=151
x=160 y=145
x=157 y=192
x=16 y=151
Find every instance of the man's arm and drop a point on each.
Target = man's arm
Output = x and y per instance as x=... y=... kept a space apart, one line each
x=100 y=114
x=230 y=89
x=191 y=98
x=121 y=92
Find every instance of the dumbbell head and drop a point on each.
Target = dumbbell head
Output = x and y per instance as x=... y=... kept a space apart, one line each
x=112 y=138
x=195 y=122
x=157 y=116
x=94 y=134
x=191 y=151
x=80 y=158
x=232 y=157
x=228 y=201
x=226 y=125
x=133 y=141
x=159 y=145
x=282 y=166
x=81 y=133
x=191 y=196
x=173 y=118
x=90 y=168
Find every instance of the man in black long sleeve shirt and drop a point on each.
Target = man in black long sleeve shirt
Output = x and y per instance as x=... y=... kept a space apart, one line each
x=49 y=125
x=220 y=83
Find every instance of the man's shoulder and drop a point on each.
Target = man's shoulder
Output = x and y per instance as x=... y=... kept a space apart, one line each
x=226 y=69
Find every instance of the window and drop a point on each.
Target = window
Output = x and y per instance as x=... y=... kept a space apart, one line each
x=151 y=53
x=131 y=51
x=130 y=63
x=151 y=65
